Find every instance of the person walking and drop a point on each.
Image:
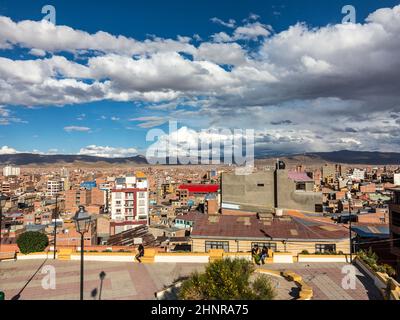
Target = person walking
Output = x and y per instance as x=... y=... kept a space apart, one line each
x=140 y=254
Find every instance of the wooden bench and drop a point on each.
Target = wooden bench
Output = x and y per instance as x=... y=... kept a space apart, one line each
x=8 y=256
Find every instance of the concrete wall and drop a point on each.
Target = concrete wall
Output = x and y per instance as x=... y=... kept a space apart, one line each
x=294 y=247
x=289 y=198
x=245 y=190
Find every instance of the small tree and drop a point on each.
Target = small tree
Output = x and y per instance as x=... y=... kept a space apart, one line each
x=32 y=241
x=227 y=280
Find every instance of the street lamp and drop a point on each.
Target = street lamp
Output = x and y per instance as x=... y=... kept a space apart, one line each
x=349 y=188
x=3 y=200
x=55 y=227
x=82 y=222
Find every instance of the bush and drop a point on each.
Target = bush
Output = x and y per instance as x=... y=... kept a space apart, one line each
x=32 y=241
x=227 y=280
x=304 y=252
x=371 y=259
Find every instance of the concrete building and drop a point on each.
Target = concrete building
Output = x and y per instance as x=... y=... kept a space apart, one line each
x=130 y=201
x=278 y=233
x=396 y=179
x=53 y=187
x=11 y=171
x=394 y=225
x=267 y=190
x=358 y=175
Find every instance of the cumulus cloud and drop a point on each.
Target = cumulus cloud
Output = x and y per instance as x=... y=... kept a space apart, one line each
x=301 y=77
x=108 y=152
x=7 y=150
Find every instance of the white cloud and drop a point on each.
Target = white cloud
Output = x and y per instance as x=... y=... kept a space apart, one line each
x=76 y=128
x=230 y=24
x=7 y=150
x=108 y=152
x=149 y=122
x=252 y=31
x=308 y=76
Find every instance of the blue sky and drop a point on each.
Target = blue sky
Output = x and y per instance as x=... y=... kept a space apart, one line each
x=120 y=116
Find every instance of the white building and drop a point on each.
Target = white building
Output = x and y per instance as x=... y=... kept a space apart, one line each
x=396 y=179
x=11 y=171
x=130 y=202
x=54 y=187
x=358 y=175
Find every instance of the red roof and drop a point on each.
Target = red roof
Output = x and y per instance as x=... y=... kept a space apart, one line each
x=199 y=188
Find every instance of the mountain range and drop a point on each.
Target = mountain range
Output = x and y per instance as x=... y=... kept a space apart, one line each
x=343 y=157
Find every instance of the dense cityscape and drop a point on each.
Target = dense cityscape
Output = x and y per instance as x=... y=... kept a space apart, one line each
x=200 y=158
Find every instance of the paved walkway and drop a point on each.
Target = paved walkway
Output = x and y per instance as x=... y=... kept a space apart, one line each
x=127 y=281
x=122 y=281
x=326 y=281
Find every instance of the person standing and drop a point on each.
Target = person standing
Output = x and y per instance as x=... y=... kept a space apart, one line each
x=264 y=254
x=255 y=253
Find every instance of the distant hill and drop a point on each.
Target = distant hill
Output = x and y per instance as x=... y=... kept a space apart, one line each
x=344 y=157
x=22 y=159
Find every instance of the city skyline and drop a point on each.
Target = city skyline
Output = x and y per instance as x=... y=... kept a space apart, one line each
x=298 y=76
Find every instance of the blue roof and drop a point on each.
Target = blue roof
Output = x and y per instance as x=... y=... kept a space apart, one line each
x=372 y=231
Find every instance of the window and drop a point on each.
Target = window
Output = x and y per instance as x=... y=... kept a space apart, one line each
x=396 y=218
x=117 y=203
x=217 y=245
x=325 y=248
x=269 y=245
x=142 y=203
x=118 y=195
x=260 y=185
x=396 y=240
x=141 y=195
x=300 y=186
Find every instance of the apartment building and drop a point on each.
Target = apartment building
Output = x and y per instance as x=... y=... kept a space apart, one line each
x=394 y=225
x=11 y=171
x=130 y=202
x=54 y=186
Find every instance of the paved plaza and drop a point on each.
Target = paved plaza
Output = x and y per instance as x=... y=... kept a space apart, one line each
x=24 y=280
x=326 y=281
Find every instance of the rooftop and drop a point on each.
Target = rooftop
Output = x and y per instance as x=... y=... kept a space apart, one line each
x=285 y=227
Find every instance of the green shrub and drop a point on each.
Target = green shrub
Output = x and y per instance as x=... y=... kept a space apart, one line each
x=32 y=241
x=304 y=252
x=227 y=279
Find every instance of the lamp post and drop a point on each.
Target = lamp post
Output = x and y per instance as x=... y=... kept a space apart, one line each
x=3 y=200
x=82 y=222
x=349 y=188
x=55 y=227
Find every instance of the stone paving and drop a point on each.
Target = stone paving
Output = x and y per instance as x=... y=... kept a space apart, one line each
x=127 y=281
x=122 y=281
x=326 y=281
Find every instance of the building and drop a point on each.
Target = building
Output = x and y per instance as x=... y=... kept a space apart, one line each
x=278 y=233
x=130 y=201
x=267 y=190
x=358 y=175
x=54 y=187
x=396 y=179
x=11 y=171
x=394 y=225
